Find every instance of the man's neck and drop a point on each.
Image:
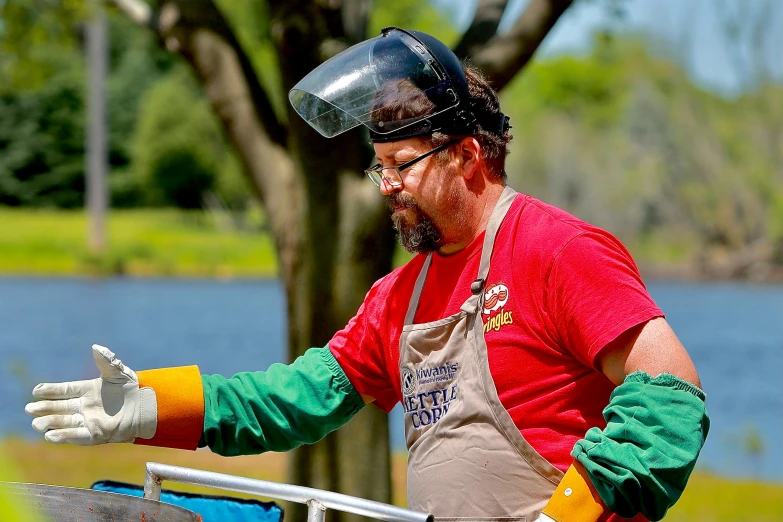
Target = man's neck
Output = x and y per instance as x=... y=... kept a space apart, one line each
x=482 y=211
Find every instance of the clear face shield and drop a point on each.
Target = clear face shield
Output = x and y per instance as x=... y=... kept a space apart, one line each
x=388 y=83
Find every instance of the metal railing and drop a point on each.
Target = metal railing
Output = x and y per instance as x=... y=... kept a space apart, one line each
x=317 y=501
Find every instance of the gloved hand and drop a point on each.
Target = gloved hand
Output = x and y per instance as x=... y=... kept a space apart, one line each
x=543 y=518
x=110 y=408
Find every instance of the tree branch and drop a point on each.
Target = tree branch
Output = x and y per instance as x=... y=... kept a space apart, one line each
x=139 y=12
x=505 y=55
x=175 y=14
x=196 y=30
x=483 y=27
x=263 y=106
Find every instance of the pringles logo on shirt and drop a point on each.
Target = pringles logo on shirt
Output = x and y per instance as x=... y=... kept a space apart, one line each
x=495 y=298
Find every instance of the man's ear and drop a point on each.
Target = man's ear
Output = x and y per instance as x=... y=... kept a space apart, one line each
x=469 y=151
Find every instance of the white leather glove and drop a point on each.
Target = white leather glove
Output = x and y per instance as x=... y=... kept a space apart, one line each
x=543 y=518
x=110 y=408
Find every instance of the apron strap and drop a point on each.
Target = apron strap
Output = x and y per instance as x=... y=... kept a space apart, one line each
x=495 y=220
x=413 y=305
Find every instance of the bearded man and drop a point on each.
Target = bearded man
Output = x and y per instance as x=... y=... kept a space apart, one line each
x=537 y=376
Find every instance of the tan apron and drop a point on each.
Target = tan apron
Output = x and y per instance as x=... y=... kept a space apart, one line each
x=467 y=459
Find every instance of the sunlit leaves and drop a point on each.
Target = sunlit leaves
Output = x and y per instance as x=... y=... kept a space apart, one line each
x=624 y=139
x=413 y=14
x=34 y=35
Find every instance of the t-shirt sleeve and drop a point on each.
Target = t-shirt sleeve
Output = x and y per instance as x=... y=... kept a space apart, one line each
x=361 y=352
x=595 y=293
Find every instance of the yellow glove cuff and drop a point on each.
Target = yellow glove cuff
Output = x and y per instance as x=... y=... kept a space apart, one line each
x=180 y=397
x=575 y=499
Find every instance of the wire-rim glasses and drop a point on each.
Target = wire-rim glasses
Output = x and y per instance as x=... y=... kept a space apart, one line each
x=393 y=175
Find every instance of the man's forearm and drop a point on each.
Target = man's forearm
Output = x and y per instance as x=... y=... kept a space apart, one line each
x=641 y=461
x=276 y=410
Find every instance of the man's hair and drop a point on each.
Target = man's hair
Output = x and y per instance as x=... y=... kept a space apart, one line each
x=401 y=100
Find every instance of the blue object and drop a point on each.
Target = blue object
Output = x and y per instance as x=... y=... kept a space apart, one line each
x=212 y=508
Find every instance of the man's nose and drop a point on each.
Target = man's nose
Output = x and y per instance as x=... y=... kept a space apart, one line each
x=387 y=188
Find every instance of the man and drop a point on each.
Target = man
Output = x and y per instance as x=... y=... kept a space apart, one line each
x=537 y=376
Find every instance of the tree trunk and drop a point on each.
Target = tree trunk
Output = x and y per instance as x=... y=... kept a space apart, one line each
x=330 y=226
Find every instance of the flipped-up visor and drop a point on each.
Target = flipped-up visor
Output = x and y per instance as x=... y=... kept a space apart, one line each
x=381 y=83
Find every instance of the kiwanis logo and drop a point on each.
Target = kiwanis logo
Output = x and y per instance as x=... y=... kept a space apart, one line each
x=495 y=298
x=408 y=381
x=428 y=392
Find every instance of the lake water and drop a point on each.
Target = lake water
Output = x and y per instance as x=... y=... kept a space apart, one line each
x=734 y=333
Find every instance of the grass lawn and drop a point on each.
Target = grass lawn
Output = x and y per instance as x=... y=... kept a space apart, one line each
x=708 y=498
x=164 y=242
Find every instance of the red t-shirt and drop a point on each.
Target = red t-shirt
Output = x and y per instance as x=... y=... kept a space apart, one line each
x=563 y=290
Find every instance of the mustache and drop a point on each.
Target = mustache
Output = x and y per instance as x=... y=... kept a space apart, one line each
x=400 y=200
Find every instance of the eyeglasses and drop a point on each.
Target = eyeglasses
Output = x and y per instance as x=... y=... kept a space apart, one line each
x=393 y=175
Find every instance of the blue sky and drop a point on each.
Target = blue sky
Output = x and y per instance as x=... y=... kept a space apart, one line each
x=692 y=31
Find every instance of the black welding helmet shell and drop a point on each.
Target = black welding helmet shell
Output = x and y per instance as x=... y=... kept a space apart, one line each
x=368 y=83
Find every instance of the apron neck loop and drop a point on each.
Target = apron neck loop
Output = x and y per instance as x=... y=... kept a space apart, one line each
x=493 y=225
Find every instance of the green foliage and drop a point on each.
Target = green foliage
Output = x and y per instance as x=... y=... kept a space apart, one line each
x=42 y=138
x=42 y=123
x=181 y=177
x=136 y=63
x=412 y=14
x=591 y=89
x=34 y=37
x=172 y=158
x=177 y=144
x=622 y=138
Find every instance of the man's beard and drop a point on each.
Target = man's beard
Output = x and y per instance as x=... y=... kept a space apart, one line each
x=421 y=235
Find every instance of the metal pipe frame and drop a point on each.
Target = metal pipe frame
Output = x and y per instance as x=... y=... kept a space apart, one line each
x=317 y=501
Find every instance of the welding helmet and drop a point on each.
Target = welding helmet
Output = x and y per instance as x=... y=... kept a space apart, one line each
x=399 y=85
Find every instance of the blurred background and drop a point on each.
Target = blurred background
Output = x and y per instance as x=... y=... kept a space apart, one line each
x=139 y=207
